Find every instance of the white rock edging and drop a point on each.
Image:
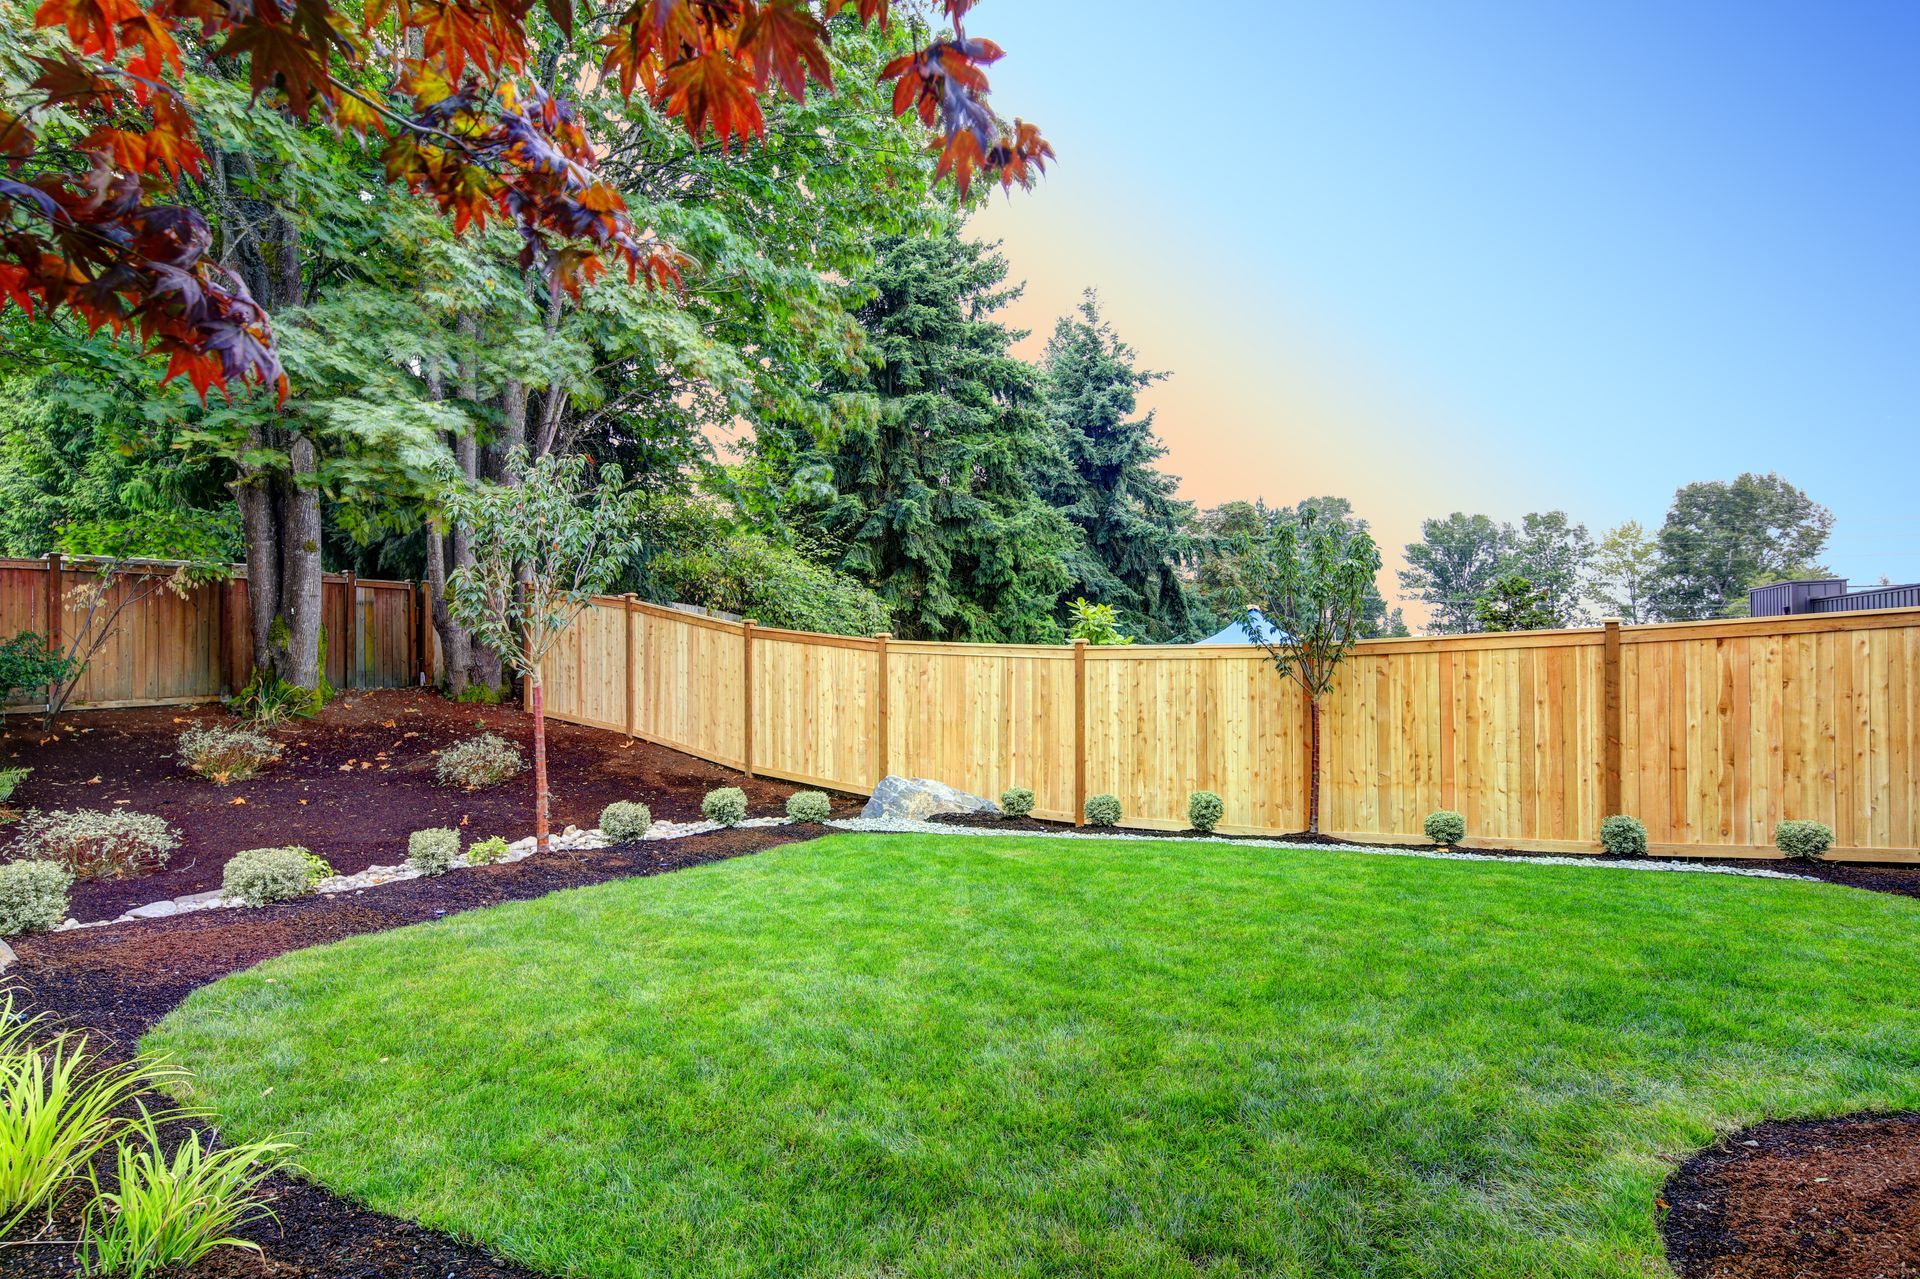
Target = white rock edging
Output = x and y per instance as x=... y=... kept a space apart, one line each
x=907 y=826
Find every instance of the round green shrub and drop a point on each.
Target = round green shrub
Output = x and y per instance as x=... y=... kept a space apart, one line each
x=479 y=762
x=33 y=896
x=261 y=875
x=811 y=807
x=222 y=754
x=432 y=850
x=1016 y=801
x=485 y=852
x=727 y=806
x=623 y=820
x=1623 y=836
x=1446 y=827
x=94 y=844
x=1803 y=840
x=1103 y=810
x=1204 y=810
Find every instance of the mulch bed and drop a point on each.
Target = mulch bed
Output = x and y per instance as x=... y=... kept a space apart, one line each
x=1838 y=1199
x=352 y=785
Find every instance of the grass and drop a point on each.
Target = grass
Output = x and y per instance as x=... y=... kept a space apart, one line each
x=964 y=1056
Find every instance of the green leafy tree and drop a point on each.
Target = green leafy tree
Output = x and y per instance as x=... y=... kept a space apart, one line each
x=1136 y=535
x=1304 y=597
x=933 y=503
x=1555 y=555
x=1513 y=603
x=543 y=547
x=1095 y=623
x=1626 y=565
x=1453 y=564
x=1719 y=539
x=1229 y=536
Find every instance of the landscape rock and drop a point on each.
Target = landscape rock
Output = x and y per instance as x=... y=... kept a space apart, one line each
x=6 y=957
x=918 y=798
x=154 y=910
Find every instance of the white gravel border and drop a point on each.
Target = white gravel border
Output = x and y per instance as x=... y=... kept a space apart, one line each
x=909 y=826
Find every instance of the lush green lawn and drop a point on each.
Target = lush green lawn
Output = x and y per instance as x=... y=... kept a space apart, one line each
x=964 y=1056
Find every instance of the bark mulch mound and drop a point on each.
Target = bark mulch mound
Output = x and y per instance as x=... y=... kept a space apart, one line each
x=1837 y=1199
x=116 y=982
x=352 y=785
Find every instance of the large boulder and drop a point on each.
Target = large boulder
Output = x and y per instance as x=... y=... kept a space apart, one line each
x=918 y=798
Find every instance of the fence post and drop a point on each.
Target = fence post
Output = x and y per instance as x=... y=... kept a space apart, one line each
x=351 y=675
x=746 y=697
x=1079 y=731
x=56 y=606
x=880 y=707
x=1611 y=716
x=626 y=656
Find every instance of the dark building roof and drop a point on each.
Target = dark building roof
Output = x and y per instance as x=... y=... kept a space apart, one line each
x=1827 y=595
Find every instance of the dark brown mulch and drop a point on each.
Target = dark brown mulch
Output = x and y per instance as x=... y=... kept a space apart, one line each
x=352 y=785
x=1838 y=1199
x=120 y=980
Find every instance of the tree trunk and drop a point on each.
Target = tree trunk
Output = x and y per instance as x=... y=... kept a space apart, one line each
x=456 y=644
x=483 y=662
x=1313 y=764
x=537 y=696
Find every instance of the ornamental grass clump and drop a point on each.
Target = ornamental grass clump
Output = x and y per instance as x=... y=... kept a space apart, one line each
x=1016 y=801
x=809 y=807
x=1623 y=836
x=479 y=762
x=259 y=876
x=1204 y=810
x=1103 y=810
x=165 y=1212
x=432 y=851
x=223 y=754
x=485 y=852
x=33 y=897
x=624 y=819
x=1803 y=840
x=1446 y=827
x=116 y=843
x=726 y=805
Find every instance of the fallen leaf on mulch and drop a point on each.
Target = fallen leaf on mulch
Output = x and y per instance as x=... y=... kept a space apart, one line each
x=388 y=723
x=237 y=799
x=94 y=780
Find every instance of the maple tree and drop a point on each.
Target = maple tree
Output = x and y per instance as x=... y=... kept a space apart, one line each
x=448 y=84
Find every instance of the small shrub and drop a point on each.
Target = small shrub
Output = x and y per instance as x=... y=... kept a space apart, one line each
x=1204 y=810
x=485 y=852
x=1803 y=840
x=33 y=896
x=166 y=1212
x=221 y=754
x=262 y=875
x=1016 y=801
x=268 y=700
x=1624 y=836
x=623 y=820
x=727 y=806
x=479 y=762
x=318 y=868
x=10 y=779
x=113 y=844
x=811 y=807
x=432 y=850
x=1103 y=810
x=1446 y=827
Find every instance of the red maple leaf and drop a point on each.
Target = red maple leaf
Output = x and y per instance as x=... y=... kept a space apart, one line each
x=283 y=59
x=90 y=24
x=783 y=40
x=714 y=89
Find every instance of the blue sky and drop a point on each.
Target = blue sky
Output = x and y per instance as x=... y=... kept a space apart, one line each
x=1494 y=257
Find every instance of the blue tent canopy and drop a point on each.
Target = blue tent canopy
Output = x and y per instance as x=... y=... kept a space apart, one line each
x=1237 y=633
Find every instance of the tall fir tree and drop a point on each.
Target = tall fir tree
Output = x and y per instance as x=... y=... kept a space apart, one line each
x=1136 y=533
x=934 y=504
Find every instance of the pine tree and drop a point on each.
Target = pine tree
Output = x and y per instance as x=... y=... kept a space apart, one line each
x=1136 y=533
x=934 y=503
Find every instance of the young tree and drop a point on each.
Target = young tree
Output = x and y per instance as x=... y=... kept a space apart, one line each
x=1720 y=539
x=1453 y=564
x=1306 y=589
x=542 y=549
x=1513 y=603
x=1624 y=570
x=1136 y=533
x=1228 y=537
x=1555 y=555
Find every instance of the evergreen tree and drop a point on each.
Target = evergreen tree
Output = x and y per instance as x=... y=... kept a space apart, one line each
x=1136 y=533
x=934 y=503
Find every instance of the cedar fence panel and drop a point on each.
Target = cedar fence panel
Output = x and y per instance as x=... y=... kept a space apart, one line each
x=168 y=650
x=1709 y=732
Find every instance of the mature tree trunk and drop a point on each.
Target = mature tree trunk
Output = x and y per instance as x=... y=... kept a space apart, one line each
x=456 y=645
x=484 y=664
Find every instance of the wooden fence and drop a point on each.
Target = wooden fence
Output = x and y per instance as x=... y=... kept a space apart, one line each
x=1708 y=732
x=168 y=650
